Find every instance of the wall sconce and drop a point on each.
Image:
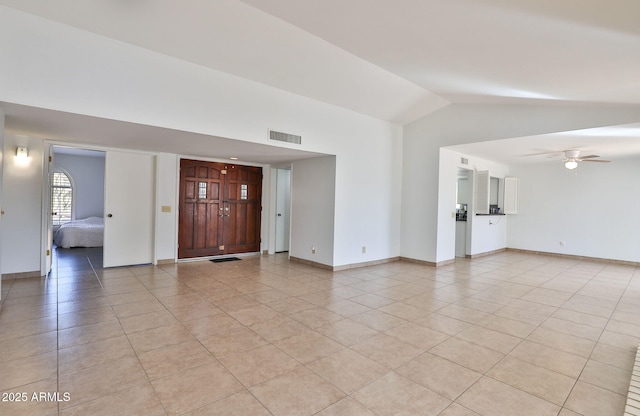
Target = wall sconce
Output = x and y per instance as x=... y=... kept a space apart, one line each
x=22 y=153
x=22 y=156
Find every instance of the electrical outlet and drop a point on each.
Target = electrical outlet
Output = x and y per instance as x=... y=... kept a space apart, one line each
x=313 y=250
x=364 y=249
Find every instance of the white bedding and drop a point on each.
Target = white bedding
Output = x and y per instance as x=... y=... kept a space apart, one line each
x=88 y=232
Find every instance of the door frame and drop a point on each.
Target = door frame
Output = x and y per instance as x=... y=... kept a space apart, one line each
x=46 y=261
x=271 y=212
x=266 y=200
x=279 y=188
x=2 y=162
x=470 y=206
x=46 y=202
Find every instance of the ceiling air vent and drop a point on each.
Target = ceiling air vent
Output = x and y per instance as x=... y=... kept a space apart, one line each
x=284 y=137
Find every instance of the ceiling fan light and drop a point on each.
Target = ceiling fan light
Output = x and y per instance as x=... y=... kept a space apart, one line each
x=570 y=164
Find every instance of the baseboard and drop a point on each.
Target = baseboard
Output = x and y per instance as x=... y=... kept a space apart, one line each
x=428 y=263
x=365 y=264
x=21 y=275
x=344 y=266
x=416 y=261
x=164 y=262
x=576 y=257
x=445 y=262
x=311 y=263
x=486 y=253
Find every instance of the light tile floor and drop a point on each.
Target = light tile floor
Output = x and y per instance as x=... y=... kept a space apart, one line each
x=509 y=334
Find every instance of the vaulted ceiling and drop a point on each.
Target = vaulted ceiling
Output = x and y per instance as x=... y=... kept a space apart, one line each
x=396 y=61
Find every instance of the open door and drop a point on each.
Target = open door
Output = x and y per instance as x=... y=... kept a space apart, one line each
x=129 y=209
x=283 y=206
x=48 y=218
x=1 y=170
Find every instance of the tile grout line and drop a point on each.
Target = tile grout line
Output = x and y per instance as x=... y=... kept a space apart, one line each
x=598 y=340
x=135 y=353
x=246 y=389
x=522 y=340
x=346 y=346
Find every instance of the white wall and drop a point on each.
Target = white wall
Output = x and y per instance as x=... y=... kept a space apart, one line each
x=167 y=195
x=87 y=174
x=96 y=76
x=593 y=209
x=368 y=189
x=313 y=183
x=22 y=199
x=470 y=123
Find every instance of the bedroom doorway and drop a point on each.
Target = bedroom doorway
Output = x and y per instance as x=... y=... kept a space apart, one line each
x=104 y=180
x=220 y=209
x=75 y=198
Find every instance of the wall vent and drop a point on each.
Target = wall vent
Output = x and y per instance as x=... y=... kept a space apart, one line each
x=284 y=137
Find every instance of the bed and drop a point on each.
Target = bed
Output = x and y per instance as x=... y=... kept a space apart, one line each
x=88 y=232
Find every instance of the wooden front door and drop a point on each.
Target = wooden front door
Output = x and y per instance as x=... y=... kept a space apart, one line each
x=220 y=207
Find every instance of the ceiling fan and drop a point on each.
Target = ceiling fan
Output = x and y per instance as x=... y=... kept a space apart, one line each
x=572 y=157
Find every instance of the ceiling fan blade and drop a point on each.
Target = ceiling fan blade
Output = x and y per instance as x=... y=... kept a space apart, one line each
x=588 y=157
x=594 y=160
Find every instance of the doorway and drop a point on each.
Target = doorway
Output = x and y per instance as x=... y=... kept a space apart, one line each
x=75 y=201
x=464 y=187
x=107 y=184
x=283 y=209
x=220 y=209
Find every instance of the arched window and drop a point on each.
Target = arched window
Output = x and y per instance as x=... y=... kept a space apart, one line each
x=61 y=198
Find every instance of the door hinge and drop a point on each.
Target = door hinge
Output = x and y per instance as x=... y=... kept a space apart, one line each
x=50 y=159
x=48 y=252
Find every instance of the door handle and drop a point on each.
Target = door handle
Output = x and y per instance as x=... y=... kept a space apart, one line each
x=279 y=215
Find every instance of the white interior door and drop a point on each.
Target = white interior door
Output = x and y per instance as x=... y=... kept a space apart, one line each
x=129 y=209
x=283 y=206
x=48 y=219
x=2 y=155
